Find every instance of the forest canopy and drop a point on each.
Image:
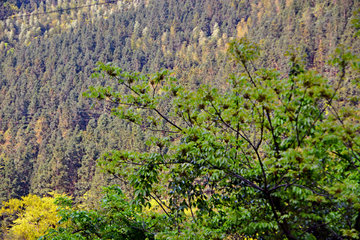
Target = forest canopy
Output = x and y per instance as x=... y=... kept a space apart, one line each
x=243 y=136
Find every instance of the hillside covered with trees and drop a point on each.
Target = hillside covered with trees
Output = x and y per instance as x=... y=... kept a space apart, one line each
x=51 y=137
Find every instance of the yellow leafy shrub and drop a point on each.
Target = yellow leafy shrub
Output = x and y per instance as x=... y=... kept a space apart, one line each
x=34 y=216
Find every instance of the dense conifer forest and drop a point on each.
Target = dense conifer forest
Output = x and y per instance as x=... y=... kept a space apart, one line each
x=51 y=137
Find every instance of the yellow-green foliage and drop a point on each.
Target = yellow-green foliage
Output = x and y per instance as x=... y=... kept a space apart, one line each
x=34 y=216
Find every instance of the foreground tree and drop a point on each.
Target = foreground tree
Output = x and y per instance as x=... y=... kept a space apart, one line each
x=274 y=157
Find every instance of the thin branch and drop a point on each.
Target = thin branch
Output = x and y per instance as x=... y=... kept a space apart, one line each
x=248 y=73
x=272 y=130
x=297 y=119
x=154 y=130
x=167 y=119
x=229 y=172
x=228 y=126
x=313 y=191
x=283 y=185
x=160 y=204
x=338 y=236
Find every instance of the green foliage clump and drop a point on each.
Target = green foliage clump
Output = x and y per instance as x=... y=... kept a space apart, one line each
x=116 y=219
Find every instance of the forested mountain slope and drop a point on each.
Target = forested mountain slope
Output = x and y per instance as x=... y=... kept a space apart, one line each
x=50 y=139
